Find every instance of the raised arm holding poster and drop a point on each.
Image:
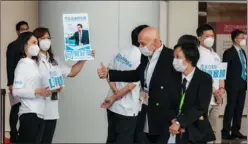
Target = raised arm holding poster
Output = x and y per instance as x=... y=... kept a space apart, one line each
x=77 y=37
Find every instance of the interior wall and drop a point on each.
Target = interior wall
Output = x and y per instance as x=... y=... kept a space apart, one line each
x=82 y=120
x=11 y=13
x=182 y=19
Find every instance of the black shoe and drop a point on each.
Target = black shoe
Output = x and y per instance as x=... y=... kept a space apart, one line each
x=238 y=135
x=227 y=137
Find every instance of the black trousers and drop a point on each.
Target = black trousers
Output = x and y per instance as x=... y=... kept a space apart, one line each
x=139 y=134
x=157 y=139
x=120 y=128
x=144 y=138
x=184 y=139
x=13 y=119
x=233 y=111
x=48 y=132
x=31 y=128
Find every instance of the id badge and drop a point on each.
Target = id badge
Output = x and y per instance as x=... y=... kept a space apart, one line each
x=54 y=96
x=144 y=98
x=56 y=79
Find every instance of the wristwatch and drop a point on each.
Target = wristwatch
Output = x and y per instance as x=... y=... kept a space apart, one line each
x=177 y=123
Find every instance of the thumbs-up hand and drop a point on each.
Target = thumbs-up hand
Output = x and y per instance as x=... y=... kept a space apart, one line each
x=102 y=71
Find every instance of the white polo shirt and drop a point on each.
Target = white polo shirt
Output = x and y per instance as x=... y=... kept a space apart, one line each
x=128 y=105
x=27 y=79
x=51 y=111
x=209 y=57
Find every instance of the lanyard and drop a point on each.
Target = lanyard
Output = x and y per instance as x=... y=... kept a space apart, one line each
x=48 y=68
x=181 y=103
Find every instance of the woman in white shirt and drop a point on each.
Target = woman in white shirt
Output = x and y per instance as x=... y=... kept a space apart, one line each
x=27 y=86
x=48 y=63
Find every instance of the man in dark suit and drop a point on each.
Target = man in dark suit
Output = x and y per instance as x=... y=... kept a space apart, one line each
x=194 y=94
x=81 y=36
x=236 y=86
x=12 y=58
x=156 y=74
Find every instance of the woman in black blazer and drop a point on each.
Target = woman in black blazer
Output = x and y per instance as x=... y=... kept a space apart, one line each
x=191 y=125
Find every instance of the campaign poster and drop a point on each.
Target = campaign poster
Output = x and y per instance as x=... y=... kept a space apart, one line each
x=216 y=71
x=77 y=37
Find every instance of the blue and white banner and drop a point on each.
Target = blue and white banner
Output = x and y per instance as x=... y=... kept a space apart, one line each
x=216 y=71
x=77 y=37
x=56 y=79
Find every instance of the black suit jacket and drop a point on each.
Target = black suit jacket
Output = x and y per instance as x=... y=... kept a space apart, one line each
x=234 y=69
x=196 y=103
x=12 y=58
x=160 y=91
x=85 y=37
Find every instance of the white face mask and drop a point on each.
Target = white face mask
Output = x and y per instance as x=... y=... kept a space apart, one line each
x=242 y=43
x=145 y=51
x=209 y=42
x=45 y=44
x=33 y=50
x=178 y=65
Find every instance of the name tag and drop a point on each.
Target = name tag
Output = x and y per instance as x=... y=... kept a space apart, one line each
x=146 y=90
x=145 y=97
x=56 y=79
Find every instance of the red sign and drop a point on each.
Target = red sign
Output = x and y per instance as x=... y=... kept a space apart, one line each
x=228 y=27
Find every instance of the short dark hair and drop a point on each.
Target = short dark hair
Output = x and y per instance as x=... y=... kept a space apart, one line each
x=203 y=28
x=190 y=51
x=187 y=39
x=19 y=24
x=80 y=25
x=236 y=33
x=135 y=34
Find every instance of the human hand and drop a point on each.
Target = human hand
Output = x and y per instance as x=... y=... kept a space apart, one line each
x=174 y=129
x=218 y=99
x=43 y=92
x=215 y=92
x=220 y=92
x=108 y=102
x=58 y=90
x=115 y=90
x=93 y=53
x=173 y=121
x=102 y=72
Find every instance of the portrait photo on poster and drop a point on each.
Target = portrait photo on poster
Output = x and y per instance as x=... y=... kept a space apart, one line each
x=77 y=37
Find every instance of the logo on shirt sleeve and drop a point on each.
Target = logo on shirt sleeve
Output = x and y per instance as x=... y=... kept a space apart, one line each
x=123 y=60
x=18 y=82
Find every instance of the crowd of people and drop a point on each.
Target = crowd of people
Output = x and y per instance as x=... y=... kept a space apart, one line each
x=30 y=62
x=180 y=99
